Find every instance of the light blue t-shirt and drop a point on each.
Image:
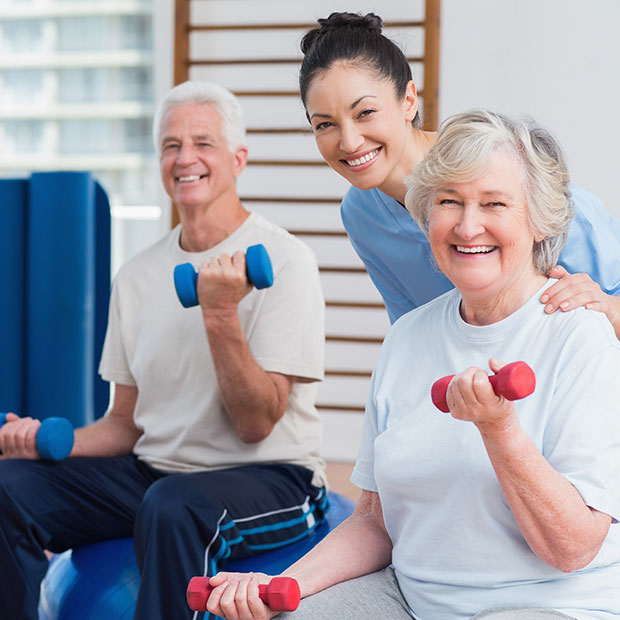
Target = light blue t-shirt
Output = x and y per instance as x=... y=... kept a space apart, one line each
x=397 y=255
x=457 y=546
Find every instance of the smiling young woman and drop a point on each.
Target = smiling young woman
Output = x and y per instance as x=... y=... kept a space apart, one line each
x=361 y=100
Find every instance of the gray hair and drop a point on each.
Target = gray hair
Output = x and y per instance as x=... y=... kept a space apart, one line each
x=204 y=93
x=465 y=146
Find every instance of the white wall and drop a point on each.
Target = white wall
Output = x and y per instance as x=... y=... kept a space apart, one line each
x=557 y=60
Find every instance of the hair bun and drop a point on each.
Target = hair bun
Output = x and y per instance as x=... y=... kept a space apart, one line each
x=370 y=22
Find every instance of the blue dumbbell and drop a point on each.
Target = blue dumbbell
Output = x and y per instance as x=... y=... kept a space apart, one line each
x=258 y=271
x=54 y=438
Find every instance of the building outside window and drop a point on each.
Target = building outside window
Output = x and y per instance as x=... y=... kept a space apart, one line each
x=77 y=86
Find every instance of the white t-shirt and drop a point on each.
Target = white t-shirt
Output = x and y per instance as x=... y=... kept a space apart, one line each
x=457 y=547
x=154 y=343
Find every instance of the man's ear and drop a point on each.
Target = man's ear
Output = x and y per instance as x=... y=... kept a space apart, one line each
x=241 y=159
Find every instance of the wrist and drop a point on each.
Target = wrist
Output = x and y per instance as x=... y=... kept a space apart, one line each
x=500 y=430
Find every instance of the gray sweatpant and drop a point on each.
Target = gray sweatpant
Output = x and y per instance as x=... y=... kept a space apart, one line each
x=378 y=596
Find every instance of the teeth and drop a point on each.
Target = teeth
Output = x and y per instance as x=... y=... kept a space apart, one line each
x=193 y=177
x=362 y=160
x=475 y=250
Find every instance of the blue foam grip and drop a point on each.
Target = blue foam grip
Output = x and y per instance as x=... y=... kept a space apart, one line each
x=259 y=272
x=61 y=296
x=258 y=266
x=13 y=198
x=101 y=581
x=185 y=280
x=54 y=438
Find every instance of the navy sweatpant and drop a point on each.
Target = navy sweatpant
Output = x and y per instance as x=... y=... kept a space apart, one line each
x=182 y=524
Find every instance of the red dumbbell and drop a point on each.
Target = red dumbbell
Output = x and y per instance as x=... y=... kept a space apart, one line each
x=281 y=593
x=513 y=381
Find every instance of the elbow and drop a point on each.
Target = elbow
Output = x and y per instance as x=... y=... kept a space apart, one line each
x=256 y=431
x=254 y=435
x=571 y=562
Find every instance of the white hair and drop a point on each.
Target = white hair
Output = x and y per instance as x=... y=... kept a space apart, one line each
x=466 y=144
x=204 y=93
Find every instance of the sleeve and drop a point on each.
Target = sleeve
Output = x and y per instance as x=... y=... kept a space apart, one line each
x=289 y=333
x=363 y=474
x=396 y=300
x=582 y=437
x=114 y=366
x=593 y=243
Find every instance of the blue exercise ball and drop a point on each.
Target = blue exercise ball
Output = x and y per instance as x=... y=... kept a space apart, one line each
x=100 y=581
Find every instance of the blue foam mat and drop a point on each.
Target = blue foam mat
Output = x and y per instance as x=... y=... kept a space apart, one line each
x=13 y=197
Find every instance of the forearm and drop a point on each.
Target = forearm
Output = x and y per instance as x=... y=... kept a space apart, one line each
x=105 y=437
x=358 y=546
x=115 y=433
x=249 y=394
x=552 y=516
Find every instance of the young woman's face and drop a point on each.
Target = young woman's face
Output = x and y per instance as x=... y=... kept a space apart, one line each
x=361 y=128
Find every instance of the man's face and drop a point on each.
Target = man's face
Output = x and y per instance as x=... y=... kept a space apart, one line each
x=197 y=167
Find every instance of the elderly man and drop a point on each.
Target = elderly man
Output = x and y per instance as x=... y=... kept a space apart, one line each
x=210 y=448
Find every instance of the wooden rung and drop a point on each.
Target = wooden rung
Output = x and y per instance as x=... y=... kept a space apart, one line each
x=348 y=373
x=281 y=93
x=298 y=26
x=342 y=269
x=351 y=408
x=355 y=304
x=286 y=162
x=297 y=199
x=262 y=61
x=318 y=233
x=278 y=130
x=355 y=339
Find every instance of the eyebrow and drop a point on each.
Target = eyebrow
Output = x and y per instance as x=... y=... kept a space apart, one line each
x=352 y=107
x=199 y=137
x=498 y=193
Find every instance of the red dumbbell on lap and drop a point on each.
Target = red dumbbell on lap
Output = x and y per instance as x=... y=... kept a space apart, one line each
x=281 y=593
x=513 y=381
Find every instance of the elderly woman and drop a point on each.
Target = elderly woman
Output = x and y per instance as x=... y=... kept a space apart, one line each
x=498 y=510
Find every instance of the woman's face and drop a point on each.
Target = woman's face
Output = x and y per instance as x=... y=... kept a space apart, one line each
x=360 y=126
x=481 y=237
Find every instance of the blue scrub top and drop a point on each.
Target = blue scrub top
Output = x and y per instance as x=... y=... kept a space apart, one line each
x=398 y=258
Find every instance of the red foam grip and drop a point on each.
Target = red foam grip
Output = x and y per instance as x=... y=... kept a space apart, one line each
x=281 y=593
x=514 y=381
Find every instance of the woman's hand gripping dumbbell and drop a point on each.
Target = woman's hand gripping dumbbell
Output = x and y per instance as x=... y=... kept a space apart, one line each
x=54 y=438
x=258 y=268
x=280 y=594
x=513 y=381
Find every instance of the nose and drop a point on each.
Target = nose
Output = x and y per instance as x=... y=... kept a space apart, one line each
x=186 y=155
x=470 y=223
x=351 y=139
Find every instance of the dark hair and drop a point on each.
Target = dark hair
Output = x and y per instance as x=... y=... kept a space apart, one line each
x=356 y=38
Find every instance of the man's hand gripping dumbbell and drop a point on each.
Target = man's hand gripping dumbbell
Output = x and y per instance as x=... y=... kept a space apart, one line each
x=53 y=437
x=259 y=273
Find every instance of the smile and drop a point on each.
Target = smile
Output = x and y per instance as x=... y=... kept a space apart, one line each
x=190 y=178
x=353 y=163
x=476 y=249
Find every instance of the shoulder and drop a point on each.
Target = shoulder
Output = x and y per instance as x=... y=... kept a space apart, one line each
x=589 y=210
x=149 y=257
x=582 y=334
x=357 y=200
x=282 y=246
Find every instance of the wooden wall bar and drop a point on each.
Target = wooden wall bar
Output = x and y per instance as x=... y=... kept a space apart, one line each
x=257 y=56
